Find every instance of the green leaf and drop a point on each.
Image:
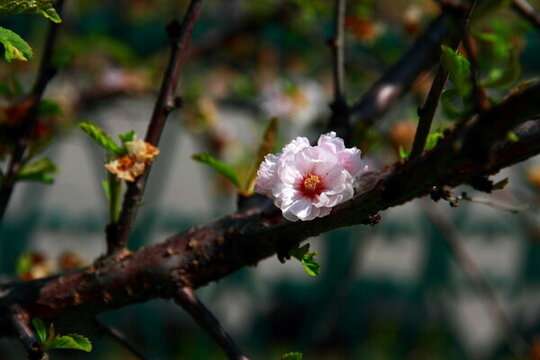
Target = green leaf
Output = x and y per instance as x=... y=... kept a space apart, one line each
x=312 y=266
x=15 y=48
x=113 y=189
x=101 y=137
x=24 y=263
x=218 y=165
x=40 y=170
x=403 y=154
x=70 y=341
x=449 y=109
x=42 y=7
x=432 y=140
x=40 y=328
x=503 y=78
x=299 y=252
x=292 y=356
x=459 y=69
x=127 y=137
x=512 y=137
x=267 y=146
x=49 y=108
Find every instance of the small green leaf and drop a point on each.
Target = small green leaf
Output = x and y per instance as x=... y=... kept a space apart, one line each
x=512 y=137
x=15 y=48
x=24 y=263
x=127 y=137
x=432 y=140
x=70 y=341
x=459 y=69
x=49 y=108
x=299 y=252
x=40 y=328
x=43 y=7
x=41 y=170
x=101 y=137
x=449 y=109
x=504 y=78
x=292 y=356
x=312 y=266
x=113 y=189
x=403 y=154
x=218 y=165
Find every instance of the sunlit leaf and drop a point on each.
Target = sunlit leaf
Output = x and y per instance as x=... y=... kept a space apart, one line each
x=70 y=341
x=292 y=356
x=502 y=78
x=15 y=48
x=512 y=137
x=42 y=7
x=40 y=328
x=219 y=166
x=101 y=137
x=459 y=69
x=432 y=140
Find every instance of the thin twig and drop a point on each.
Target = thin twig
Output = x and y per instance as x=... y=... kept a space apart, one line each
x=514 y=209
x=527 y=11
x=45 y=74
x=427 y=112
x=179 y=35
x=396 y=80
x=339 y=120
x=188 y=300
x=513 y=338
x=120 y=337
x=19 y=319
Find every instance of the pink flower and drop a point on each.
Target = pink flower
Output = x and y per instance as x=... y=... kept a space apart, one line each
x=306 y=181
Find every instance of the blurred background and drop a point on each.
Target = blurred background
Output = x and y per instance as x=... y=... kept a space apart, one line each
x=404 y=289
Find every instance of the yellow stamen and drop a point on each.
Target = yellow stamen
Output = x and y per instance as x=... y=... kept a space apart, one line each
x=312 y=182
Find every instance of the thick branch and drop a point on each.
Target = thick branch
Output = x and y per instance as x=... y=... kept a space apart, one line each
x=212 y=251
x=179 y=35
x=45 y=74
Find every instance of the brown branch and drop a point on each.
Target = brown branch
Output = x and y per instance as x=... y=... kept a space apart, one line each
x=45 y=74
x=20 y=321
x=212 y=251
x=527 y=11
x=189 y=301
x=422 y=55
x=120 y=337
x=339 y=120
x=179 y=35
x=513 y=338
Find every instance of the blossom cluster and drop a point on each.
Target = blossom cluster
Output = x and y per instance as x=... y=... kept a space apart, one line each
x=139 y=155
x=306 y=181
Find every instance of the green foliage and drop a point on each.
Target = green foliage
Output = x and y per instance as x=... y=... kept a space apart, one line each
x=292 y=356
x=42 y=7
x=219 y=166
x=127 y=137
x=113 y=189
x=70 y=341
x=512 y=137
x=25 y=262
x=459 y=69
x=101 y=137
x=40 y=328
x=41 y=170
x=307 y=259
x=51 y=340
x=15 y=48
x=432 y=140
x=49 y=108
x=502 y=78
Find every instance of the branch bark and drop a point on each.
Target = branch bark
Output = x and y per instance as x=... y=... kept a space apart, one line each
x=179 y=35
x=207 y=253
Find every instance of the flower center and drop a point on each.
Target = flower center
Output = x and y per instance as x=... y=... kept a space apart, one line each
x=311 y=186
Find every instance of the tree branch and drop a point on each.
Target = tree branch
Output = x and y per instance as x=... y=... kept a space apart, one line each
x=207 y=253
x=119 y=337
x=179 y=35
x=20 y=320
x=188 y=300
x=396 y=80
x=527 y=11
x=45 y=74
